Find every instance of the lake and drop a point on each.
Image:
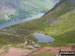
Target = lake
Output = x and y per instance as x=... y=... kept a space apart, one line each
x=40 y=37
x=43 y=38
x=12 y=22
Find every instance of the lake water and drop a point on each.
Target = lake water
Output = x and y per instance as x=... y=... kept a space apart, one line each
x=40 y=37
x=43 y=38
x=12 y=22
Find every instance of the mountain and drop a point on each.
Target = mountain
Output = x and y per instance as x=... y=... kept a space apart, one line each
x=18 y=9
x=59 y=23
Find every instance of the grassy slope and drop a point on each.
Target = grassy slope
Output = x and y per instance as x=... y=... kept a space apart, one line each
x=62 y=28
x=44 y=54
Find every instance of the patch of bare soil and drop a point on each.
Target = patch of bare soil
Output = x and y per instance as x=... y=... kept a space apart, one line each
x=17 y=52
x=55 y=51
x=20 y=52
x=1 y=52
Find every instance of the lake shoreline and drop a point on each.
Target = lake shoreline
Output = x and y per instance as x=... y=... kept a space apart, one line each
x=12 y=22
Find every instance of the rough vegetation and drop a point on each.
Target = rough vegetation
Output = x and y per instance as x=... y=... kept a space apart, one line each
x=58 y=23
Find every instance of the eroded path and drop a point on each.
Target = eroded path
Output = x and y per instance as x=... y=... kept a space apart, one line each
x=21 y=52
x=17 y=52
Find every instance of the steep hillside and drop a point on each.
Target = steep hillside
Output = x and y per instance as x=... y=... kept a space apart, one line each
x=6 y=11
x=18 y=9
x=58 y=23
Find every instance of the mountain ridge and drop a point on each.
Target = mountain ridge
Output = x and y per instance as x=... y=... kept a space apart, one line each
x=61 y=4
